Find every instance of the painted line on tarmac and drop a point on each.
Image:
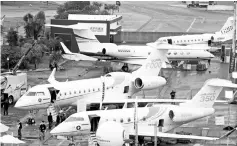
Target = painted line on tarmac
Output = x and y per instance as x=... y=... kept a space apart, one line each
x=191 y=25
x=60 y=143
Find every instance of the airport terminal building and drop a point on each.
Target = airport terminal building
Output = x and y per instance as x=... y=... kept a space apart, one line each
x=105 y=27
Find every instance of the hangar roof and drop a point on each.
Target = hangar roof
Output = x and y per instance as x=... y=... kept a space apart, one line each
x=94 y=17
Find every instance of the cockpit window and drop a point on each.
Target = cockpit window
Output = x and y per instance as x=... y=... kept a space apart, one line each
x=74 y=119
x=31 y=94
x=40 y=93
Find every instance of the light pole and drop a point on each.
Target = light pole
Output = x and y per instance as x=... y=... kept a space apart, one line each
x=8 y=63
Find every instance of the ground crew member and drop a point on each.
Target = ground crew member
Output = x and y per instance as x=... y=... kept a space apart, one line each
x=19 y=129
x=50 y=120
x=42 y=130
x=172 y=94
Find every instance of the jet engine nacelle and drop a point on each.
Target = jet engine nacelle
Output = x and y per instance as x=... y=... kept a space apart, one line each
x=186 y=115
x=110 y=134
x=149 y=82
x=116 y=51
x=119 y=77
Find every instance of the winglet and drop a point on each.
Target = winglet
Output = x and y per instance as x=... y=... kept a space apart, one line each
x=51 y=78
x=66 y=50
x=229 y=133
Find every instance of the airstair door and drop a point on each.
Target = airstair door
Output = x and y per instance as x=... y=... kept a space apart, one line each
x=53 y=93
x=94 y=120
x=169 y=41
x=209 y=42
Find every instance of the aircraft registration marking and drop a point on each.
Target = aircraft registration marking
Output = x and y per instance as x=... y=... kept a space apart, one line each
x=207 y=97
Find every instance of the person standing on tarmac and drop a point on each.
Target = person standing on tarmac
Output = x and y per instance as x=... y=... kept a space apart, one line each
x=50 y=120
x=19 y=129
x=57 y=120
x=42 y=130
x=5 y=107
x=172 y=94
x=63 y=117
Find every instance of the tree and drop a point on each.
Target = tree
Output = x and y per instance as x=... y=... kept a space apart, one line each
x=79 y=7
x=12 y=37
x=97 y=4
x=14 y=53
x=35 y=55
x=34 y=25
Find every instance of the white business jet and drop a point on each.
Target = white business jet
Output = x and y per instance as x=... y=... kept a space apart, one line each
x=121 y=84
x=225 y=34
x=90 y=46
x=167 y=116
x=137 y=54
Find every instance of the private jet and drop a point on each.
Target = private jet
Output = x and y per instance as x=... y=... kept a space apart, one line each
x=167 y=117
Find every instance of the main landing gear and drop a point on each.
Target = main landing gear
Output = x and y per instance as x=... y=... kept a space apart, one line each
x=72 y=142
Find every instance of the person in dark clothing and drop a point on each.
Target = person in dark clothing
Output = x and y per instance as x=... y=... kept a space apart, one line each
x=50 y=120
x=63 y=117
x=57 y=120
x=56 y=65
x=19 y=129
x=209 y=61
x=172 y=94
x=5 y=107
x=42 y=129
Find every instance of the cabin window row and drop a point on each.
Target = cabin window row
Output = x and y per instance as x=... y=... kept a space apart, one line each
x=123 y=50
x=181 y=53
x=124 y=120
x=82 y=91
x=184 y=41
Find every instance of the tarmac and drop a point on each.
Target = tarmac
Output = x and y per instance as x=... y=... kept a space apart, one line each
x=145 y=16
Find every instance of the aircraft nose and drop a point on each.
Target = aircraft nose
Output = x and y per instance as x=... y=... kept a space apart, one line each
x=61 y=129
x=19 y=104
x=211 y=55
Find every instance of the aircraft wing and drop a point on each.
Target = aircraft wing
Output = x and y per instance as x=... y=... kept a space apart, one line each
x=150 y=101
x=171 y=135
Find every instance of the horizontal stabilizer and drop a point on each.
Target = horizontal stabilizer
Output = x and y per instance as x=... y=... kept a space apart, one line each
x=74 y=26
x=80 y=30
x=222 y=83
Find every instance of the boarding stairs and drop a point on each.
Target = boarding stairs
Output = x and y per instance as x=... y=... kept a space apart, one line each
x=181 y=63
x=54 y=110
x=92 y=139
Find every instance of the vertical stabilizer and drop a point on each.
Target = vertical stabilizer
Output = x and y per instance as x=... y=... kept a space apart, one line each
x=208 y=94
x=153 y=64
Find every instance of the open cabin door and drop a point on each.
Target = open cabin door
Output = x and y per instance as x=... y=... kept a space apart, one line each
x=53 y=93
x=169 y=41
x=94 y=120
